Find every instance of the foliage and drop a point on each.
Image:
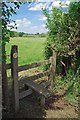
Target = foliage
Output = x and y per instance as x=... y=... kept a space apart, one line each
x=64 y=38
x=63 y=28
x=14 y=34
x=21 y=34
x=7 y=12
x=70 y=83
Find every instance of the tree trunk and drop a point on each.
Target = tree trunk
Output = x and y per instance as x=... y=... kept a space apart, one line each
x=4 y=80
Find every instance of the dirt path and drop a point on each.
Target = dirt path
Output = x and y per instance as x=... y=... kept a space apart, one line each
x=55 y=107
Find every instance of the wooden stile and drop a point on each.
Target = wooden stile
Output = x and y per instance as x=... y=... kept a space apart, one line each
x=14 y=73
x=29 y=81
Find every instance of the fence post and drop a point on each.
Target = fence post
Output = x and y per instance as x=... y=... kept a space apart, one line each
x=53 y=70
x=14 y=74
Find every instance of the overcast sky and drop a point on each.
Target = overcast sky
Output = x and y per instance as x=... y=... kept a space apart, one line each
x=30 y=18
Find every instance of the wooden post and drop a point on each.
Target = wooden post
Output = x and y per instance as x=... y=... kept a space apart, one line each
x=42 y=100
x=52 y=70
x=14 y=73
x=5 y=94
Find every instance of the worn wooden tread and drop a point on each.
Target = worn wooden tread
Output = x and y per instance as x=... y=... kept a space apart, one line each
x=36 y=87
x=25 y=93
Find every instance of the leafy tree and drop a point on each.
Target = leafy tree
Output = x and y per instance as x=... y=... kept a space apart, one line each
x=7 y=12
x=21 y=34
x=37 y=33
x=14 y=34
x=64 y=38
x=63 y=28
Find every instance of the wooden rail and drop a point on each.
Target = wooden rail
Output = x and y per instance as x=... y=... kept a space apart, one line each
x=30 y=66
x=34 y=77
x=25 y=93
x=33 y=65
x=38 y=88
x=8 y=66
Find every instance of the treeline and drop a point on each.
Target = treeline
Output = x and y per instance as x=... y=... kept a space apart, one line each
x=22 y=34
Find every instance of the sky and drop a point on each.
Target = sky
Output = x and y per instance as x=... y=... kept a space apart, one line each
x=30 y=18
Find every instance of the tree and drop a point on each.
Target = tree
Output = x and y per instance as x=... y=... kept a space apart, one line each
x=21 y=34
x=63 y=28
x=14 y=34
x=37 y=33
x=6 y=13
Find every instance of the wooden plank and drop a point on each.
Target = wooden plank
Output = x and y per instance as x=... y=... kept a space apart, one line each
x=36 y=87
x=45 y=84
x=8 y=66
x=34 y=65
x=5 y=91
x=25 y=93
x=42 y=100
x=14 y=74
x=34 y=77
x=53 y=70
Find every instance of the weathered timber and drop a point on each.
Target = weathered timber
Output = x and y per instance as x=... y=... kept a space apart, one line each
x=36 y=87
x=8 y=66
x=32 y=78
x=14 y=74
x=42 y=100
x=25 y=93
x=34 y=65
x=52 y=70
x=5 y=87
x=5 y=92
x=45 y=84
x=30 y=66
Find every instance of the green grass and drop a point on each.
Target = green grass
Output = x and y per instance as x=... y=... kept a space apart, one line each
x=30 y=49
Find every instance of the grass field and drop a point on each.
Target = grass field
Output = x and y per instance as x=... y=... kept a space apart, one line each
x=30 y=49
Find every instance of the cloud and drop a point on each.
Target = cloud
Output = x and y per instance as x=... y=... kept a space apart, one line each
x=47 y=4
x=20 y=24
x=56 y=3
x=43 y=18
x=43 y=25
x=33 y=29
x=23 y=22
x=67 y=2
x=60 y=3
x=37 y=29
x=44 y=0
x=39 y=6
